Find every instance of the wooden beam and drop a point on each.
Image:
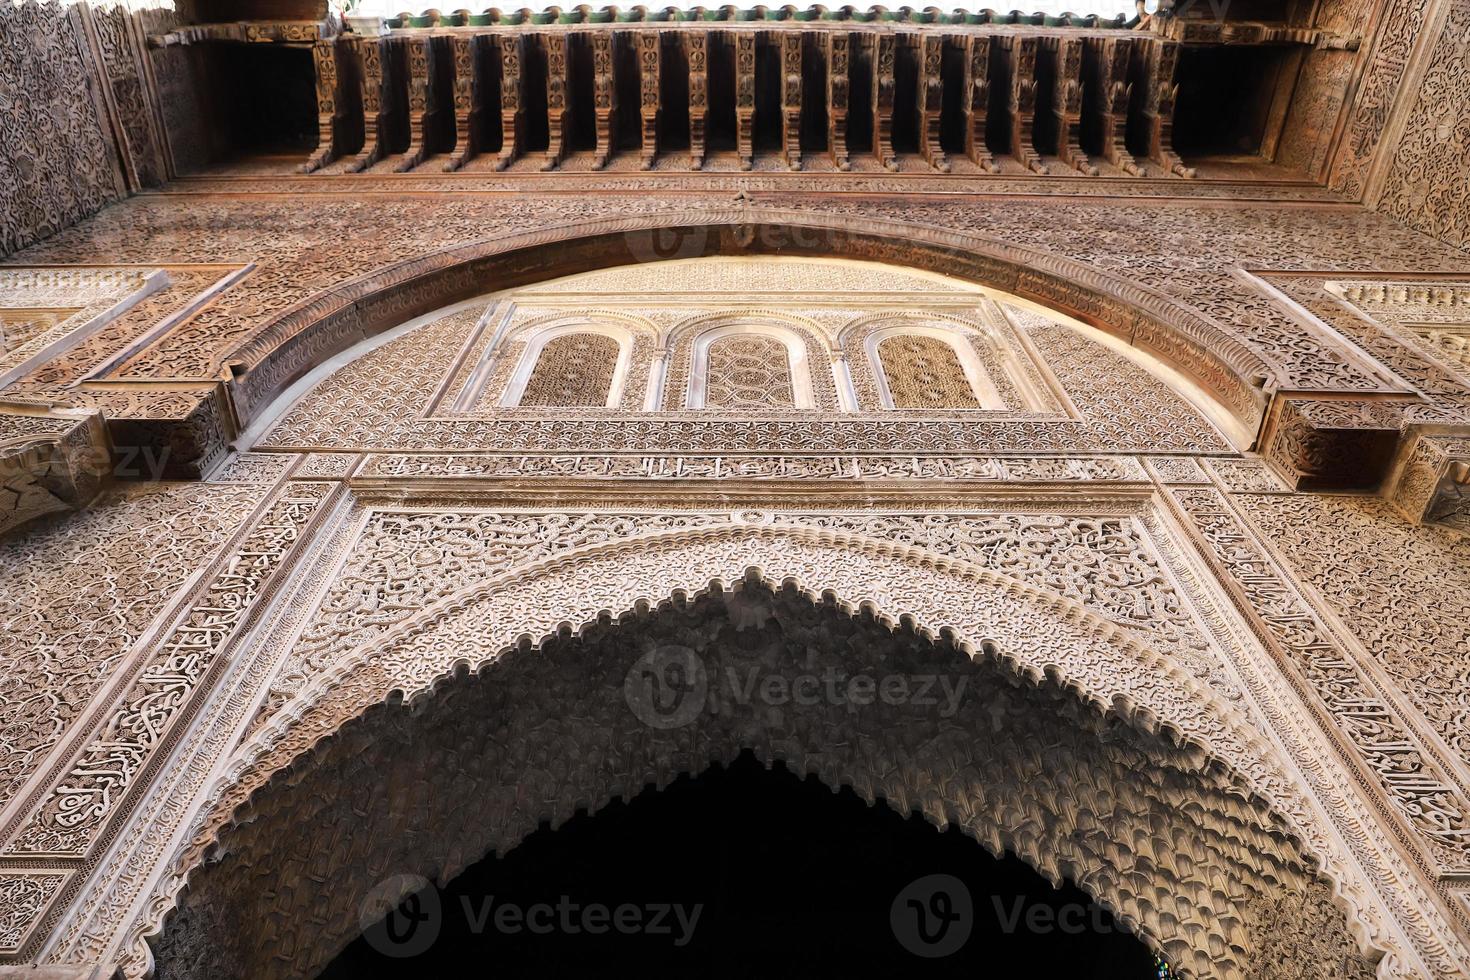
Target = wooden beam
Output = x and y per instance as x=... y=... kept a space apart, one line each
x=648 y=95
x=603 y=95
x=420 y=95
x=510 y=99
x=791 y=98
x=838 y=46
x=930 y=97
x=558 y=115
x=467 y=99
x=744 y=97
x=375 y=101
x=976 y=101
x=324 y=63
x=1110 y=81
x=1066 y=103
x=696 y=51
x=885 y=57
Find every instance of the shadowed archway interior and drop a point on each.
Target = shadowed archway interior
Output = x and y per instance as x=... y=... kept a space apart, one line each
x=1157 y=832
x=748 y=871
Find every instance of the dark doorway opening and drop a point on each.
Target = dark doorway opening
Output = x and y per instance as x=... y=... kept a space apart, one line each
x=749 y=871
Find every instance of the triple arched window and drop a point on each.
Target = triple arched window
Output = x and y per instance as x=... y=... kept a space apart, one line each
x=753 y=364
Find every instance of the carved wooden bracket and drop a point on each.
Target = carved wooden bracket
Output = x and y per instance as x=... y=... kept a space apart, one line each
x=649 y=61
x=1066 y=102
x=558 y=112
x=467 y=99
x=791 y=99
x=376 y=105
x=696 y=51
x=977 y=101
x=1110 y=79
x=324 y=59
x=1020 y=62
x=745 y=98
x=838 y=48
x=420 y=102
x=885 y=59
x=510 y=99
x=1160 y=61
x=931 y=100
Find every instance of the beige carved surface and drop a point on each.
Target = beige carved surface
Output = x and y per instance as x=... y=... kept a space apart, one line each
x=1123 y=406
x=1098 y=793
x=924 y=372
x=742 y=279
x=572 y=370
x=1197 y=597
x=1427 y=184
x=298 y=258
x=80 y=591
x=1423 y=792
x=402 y=562
x=20 y=326
x=73 y=813
x=748 y=371
x=55 y=154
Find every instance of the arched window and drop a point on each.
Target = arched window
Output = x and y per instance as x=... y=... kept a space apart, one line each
x=573 y=370
x=924 y=372
x=749 y=371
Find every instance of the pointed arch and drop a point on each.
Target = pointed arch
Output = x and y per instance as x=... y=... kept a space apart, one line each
x=1030 y=638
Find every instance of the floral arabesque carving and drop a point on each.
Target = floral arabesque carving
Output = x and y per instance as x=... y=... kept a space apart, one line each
x=1403 y=592
x=1122 y=407
x=56 y=151
x=71 y=815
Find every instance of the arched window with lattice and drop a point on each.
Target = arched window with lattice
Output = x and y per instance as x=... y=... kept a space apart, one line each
x=748 y=371
x=572 y=370
x=924 y=371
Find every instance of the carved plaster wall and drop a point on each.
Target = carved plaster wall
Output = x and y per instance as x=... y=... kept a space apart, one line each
x=1100 y=545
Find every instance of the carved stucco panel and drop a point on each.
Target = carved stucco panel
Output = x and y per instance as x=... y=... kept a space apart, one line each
x=1403 y=591
x=81 y=590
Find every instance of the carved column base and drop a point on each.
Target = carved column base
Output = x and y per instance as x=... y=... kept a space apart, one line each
x=411 y=158
x=458 y=159
x=370 y=155
x=319 y=159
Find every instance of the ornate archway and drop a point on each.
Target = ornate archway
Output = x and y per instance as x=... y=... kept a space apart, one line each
x=310 y=332
x=1141 y=784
